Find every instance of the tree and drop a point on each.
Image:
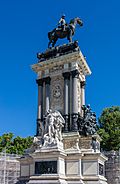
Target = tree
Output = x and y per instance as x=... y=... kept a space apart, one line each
x=15 y=145
x=6 y=141
x=110 y=128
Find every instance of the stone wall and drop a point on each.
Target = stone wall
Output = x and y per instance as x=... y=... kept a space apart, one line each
x=112 y=167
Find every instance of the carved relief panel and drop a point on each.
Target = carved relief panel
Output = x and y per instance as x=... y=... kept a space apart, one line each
x=57 y=93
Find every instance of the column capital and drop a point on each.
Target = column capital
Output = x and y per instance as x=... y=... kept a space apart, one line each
x=75 y=73
x=66 y=75
x=39 y=82
x=83 y=83
x=47 y=80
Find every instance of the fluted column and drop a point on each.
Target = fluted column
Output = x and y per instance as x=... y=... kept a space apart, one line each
x=47 y=93
x=75 y=75
x=40 y=106
x=66 y=76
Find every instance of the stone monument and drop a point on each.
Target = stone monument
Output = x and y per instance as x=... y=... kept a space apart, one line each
x=66 y=148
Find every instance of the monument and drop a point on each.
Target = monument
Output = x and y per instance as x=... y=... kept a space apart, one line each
x=66 y=148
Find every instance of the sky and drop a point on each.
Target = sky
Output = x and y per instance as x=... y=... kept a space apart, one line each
x=24 y=25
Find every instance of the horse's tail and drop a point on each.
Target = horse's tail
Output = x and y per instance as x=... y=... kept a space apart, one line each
x=51 y=33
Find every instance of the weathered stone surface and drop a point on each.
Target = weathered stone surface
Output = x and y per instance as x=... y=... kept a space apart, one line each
x=71 y=140
x=85 y=142
x=112 y=167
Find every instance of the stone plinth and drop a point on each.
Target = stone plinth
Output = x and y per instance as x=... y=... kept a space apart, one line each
x=70 y=164
x=52 y=161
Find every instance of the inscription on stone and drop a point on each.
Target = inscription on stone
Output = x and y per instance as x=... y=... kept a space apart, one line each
x=46 y=167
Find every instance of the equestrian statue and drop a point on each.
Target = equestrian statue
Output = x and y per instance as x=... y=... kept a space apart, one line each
x=63 y=30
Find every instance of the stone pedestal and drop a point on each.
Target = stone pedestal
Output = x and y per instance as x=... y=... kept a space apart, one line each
x=73 y=162
x=52 y=162
x=66 y=158
x=82 y=160
x=44 y=166
x=93 y=168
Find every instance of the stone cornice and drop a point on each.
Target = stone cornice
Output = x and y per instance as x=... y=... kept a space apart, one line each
x=75 y=57
x=94 y=156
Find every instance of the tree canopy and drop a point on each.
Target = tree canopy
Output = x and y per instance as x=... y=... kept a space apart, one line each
x=14 y=145
x=110 y=128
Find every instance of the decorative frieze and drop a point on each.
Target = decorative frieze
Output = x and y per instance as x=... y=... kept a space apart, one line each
x=76 y=58
x=56 y=69
x=69 y=144
x=85 y=142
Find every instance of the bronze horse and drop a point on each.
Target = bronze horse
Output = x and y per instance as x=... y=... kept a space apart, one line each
x=59 y=33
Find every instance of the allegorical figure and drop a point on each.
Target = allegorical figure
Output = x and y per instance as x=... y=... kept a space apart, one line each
x=53 y=127
x=88 y=123
x=50 y=125
x=62 y=22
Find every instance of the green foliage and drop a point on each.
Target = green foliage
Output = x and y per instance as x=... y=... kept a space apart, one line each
x=15 y=145
x=110 y=128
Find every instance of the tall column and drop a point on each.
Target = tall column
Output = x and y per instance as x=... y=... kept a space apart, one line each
x=40 y=106
x=47 y=93
x=66 y=76
x=75 y=75
x=83 y=83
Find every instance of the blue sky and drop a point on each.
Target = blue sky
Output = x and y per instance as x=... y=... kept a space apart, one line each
x=24 y=25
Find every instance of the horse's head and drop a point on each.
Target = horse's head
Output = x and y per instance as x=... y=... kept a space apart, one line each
x=79 y=21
